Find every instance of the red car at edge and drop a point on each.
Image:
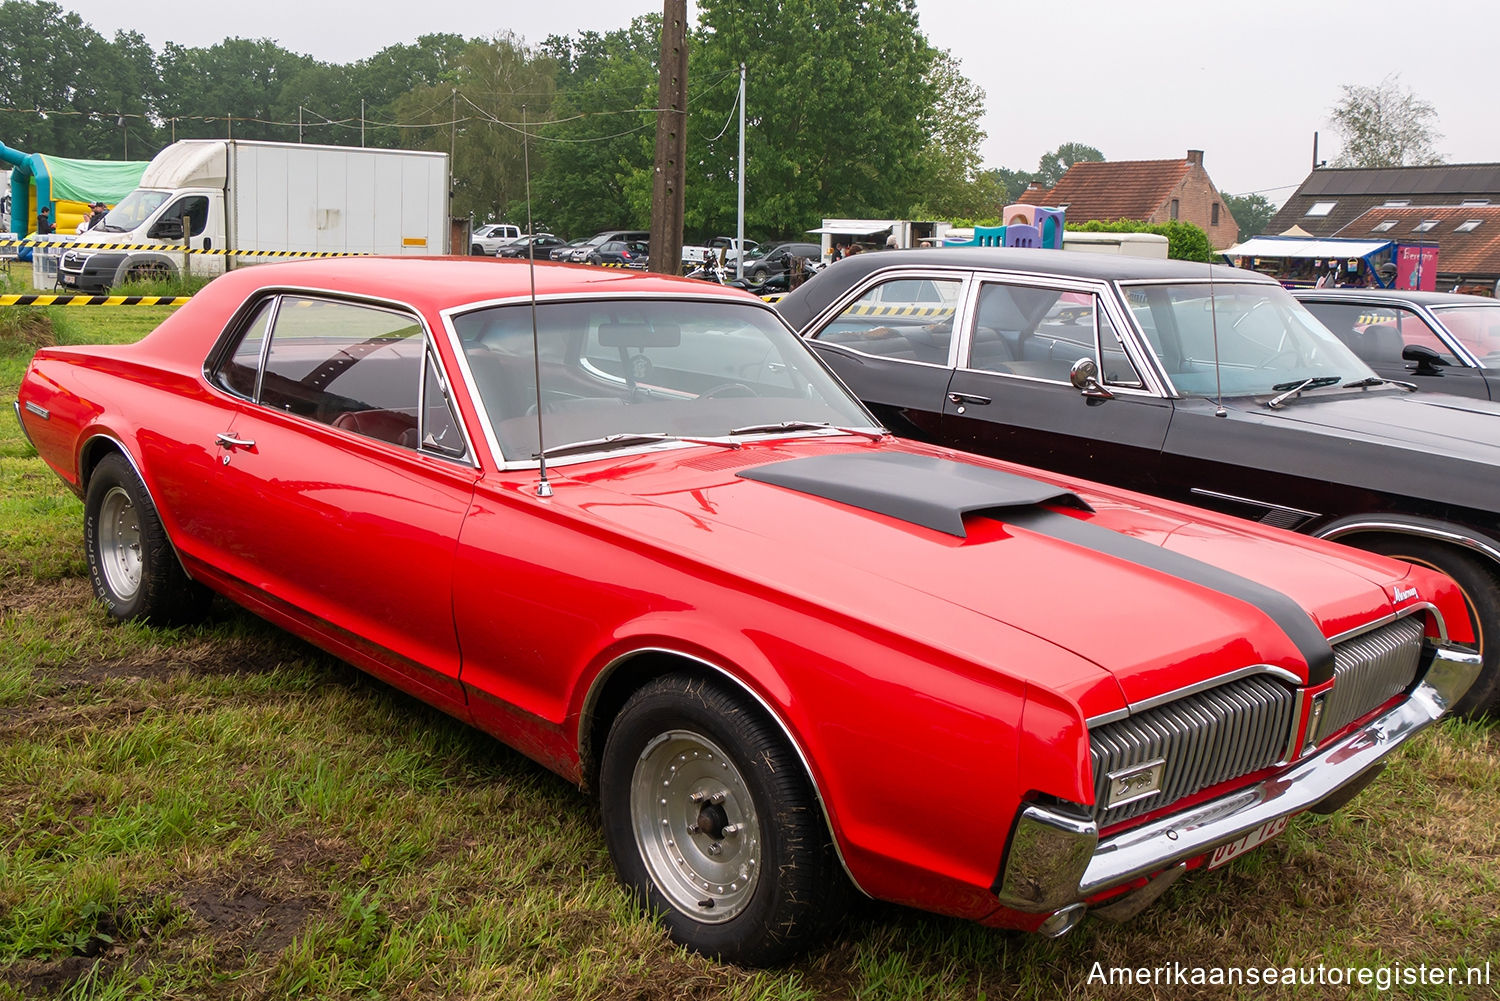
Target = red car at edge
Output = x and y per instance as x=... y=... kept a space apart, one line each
x=633 y=528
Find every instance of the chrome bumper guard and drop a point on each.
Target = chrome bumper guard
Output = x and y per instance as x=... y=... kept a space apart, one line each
x=1056 y=858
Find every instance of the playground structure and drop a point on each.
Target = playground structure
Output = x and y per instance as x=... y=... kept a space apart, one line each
x=1024 y=226
x=64 y=187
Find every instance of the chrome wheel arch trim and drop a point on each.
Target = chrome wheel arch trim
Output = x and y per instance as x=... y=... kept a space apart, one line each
x=1399 y=525
x=119 y=446
x=596 y=687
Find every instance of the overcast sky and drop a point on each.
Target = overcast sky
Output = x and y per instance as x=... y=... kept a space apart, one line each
x=1247 y=83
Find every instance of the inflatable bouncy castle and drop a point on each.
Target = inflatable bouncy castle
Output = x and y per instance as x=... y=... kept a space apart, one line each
x=64 y=187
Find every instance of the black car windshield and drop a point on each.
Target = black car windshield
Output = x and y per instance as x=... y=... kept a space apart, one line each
x=1239 y=339
x=1476 y=327
x=689 y=368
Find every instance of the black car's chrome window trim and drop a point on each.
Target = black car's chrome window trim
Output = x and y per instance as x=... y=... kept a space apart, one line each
x=1154 y=384
x=1435 y=312
x=235 y=329
x=505 y=464
x=961 y=307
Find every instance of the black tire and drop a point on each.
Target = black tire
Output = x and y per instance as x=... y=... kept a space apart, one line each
x=132 y=566
x=476 y=249
x=679 y=738
x=1481 y=593
x=153 y=271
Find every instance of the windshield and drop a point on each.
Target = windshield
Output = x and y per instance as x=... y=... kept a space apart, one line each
x=1263 y=339
x=133 y=210
x=685 y=368
x=1477 y=328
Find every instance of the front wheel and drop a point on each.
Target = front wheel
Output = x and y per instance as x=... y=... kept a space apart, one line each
x=1481 y=594
x=713 y=824
x=132 y=566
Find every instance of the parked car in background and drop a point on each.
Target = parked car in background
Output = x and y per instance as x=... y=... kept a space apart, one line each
x=623 y=253
x=778 y=260
x=787 y=651
x=1206 y=385
x=1443 y=342
x=565 y=252
x=489 y=238
x=583 y=251
x=545 y=244
x=720 y=248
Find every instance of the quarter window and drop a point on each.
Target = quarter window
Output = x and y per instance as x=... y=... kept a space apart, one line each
x=906 y=319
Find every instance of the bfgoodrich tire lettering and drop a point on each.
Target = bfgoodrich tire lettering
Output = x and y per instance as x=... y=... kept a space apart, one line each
x=1481 y=593
x=712 y=823
x=131 y=564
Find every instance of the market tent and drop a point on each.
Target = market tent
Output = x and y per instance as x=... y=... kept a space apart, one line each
x=1314 y=248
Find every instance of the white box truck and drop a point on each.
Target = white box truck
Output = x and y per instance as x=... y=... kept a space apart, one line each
x=260 y=201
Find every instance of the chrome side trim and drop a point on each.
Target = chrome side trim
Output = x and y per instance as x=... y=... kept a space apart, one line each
x=1341 y=529
x=25 y=433
x=591 y=699
x=135 y=467
x=1218 y=679
x=1252 y=502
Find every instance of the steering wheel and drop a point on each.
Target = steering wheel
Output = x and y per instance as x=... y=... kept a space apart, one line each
x=726 y=389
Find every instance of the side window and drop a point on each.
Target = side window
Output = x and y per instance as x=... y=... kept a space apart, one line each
x=907 y=319
x=239 y=373
x=1115 y=368
x=358 y=368
x=1039 y=333
x=1378 y=333
x=193 y=211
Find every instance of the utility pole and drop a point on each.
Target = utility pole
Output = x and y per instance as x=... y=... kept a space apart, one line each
x=739 y=231
x=671 y=141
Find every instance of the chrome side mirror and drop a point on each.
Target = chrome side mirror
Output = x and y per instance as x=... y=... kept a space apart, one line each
x=1084 y=375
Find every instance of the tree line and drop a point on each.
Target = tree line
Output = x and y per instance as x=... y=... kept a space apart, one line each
x=851 y=111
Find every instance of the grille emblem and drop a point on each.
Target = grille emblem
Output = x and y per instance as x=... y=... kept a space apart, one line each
x=1136 y=782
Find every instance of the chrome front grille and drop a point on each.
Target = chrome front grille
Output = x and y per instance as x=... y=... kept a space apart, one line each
x=1369 y=669
x=1205 y=738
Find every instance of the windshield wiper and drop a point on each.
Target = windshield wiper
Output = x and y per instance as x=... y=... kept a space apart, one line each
x=1376 y=380
x=873 y=434
x=1294 y=388
x=614 y=441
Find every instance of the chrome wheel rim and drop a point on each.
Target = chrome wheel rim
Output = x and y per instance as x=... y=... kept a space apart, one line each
x=696 y=826
x=120 y=543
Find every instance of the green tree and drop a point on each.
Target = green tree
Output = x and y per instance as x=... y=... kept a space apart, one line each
x=232 y=88
x=1385 y=126
x=954 y=185
x=62 y=105
x=1185 y=241
x=1251 y=212
x=841 y=94
x=1052 y=166
x=598 y=146
x=477 y=114
x=1011 y=183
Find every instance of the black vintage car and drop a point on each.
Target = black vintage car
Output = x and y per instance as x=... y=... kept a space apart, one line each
x=1439 y=340
x=1200 y=383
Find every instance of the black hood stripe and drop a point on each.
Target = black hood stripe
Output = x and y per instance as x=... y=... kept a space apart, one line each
x=936 y=493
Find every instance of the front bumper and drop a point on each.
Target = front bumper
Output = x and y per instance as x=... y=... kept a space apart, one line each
x=1056 y=859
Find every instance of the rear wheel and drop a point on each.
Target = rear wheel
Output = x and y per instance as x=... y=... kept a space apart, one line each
x=1481 y=594
x=713 y=824
x=149 y=271
x=132 y=566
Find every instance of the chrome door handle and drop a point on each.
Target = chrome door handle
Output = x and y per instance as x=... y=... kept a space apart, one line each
x=227 y=440
x=968 y=398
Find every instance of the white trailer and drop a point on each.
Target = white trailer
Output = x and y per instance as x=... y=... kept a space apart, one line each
x=234 y=202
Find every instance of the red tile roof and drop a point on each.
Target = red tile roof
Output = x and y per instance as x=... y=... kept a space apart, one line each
x=1113 y=189
x=1474 y=252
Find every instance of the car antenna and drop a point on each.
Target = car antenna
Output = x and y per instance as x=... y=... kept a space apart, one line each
x=544 y=485
x=1213 y=319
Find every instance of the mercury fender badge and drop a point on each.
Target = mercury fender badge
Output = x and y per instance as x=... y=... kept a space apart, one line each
x=1400 y=594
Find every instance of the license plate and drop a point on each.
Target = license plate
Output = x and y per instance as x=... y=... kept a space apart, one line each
x=68 y=280
x=1265 y=832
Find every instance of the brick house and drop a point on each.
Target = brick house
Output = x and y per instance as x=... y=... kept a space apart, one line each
x=1153 y=191
x=1455 y=205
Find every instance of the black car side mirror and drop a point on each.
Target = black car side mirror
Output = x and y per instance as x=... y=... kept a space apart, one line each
x=1429 y=362
x=1084 y=375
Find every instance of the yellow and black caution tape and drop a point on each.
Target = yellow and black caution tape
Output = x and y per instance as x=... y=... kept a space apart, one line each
x=64 y=246
x=94 y=300
x=937 y=311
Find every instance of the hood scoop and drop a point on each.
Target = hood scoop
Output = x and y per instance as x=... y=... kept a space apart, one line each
x=920 y=489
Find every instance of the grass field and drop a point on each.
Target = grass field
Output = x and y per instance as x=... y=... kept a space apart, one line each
x=225 y=812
